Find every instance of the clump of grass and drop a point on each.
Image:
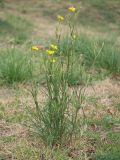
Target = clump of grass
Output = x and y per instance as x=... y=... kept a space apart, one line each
x=15 y=66
x=108 y=58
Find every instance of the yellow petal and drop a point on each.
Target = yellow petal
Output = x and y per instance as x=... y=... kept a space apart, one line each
x=35 y=48
x=55 y=47
x=60 y=17
x=50 y=52
x=72 y=9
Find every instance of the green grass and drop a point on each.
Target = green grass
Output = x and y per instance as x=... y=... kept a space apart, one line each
x=15 y=66
x=105 y=149
x=9 y=139
x=104 y=52
x=21 y=26
x=15 y=29
x=118 y=106
x=5 y=27
x=107 y=156
x=108 y=151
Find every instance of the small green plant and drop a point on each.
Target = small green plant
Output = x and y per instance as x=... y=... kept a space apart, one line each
x=15 y=66
x=56 y=121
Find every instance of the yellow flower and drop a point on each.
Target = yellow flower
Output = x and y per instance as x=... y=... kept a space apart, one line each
x=61 y=18
x=50 y=52
x=53 y=60
x=35 y=48
x=72 y=9
x=55 y=47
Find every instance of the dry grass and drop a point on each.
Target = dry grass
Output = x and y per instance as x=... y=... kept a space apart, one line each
x=101 y=99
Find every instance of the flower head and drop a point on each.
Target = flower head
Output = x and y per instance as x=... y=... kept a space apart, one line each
x=35 y=48
x=55 y=47
x=72 y=9
x=50 y=52
x=61 y=18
